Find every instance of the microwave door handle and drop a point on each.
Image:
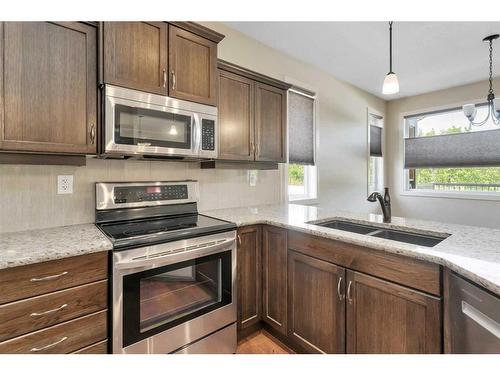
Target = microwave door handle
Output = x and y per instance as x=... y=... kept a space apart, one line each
x=196 y=133
x=166 y=258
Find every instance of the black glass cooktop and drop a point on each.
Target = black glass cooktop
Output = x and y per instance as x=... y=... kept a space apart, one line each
x=144 y=232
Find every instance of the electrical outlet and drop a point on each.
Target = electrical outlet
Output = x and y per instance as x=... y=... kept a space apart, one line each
x=65 y=184
x=252 y=177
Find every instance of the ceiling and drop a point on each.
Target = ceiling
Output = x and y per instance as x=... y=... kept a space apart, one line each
x=427 y=56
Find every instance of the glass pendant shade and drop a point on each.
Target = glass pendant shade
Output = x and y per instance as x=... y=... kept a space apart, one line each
x=496 y=108
x=469 y=111
x=391 y=84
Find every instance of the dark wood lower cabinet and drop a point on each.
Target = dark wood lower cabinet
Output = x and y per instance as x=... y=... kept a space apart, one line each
x=274 y=277
x=383 y=317
x=249 y=276
x=313 y=300
x=316 y=310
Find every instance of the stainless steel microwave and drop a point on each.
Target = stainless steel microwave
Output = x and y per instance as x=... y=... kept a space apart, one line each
x=142 y=124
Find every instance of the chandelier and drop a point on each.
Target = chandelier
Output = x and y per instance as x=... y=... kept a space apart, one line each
x=493 y=103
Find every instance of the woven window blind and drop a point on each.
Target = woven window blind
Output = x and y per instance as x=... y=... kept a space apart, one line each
x=301 y=127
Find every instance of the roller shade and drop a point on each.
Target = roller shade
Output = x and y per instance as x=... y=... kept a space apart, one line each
x=375 y=123
x=301 y=127
x=474 y=149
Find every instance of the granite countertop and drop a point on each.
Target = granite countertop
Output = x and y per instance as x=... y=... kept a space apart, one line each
x=35 y=246
x=473 y=252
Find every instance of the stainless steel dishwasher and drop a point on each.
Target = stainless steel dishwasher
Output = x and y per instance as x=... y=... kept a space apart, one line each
x=473 y=320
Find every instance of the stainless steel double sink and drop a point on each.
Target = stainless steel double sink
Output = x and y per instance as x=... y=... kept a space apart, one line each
x=388 y=234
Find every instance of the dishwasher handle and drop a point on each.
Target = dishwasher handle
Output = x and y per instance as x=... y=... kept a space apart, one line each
x=482 y=319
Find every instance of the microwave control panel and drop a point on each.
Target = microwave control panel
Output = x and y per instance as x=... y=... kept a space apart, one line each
x=207 y=135
x=132 y=194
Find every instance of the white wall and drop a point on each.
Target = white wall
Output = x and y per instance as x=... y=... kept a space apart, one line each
x=462 y=211
x=341 y=117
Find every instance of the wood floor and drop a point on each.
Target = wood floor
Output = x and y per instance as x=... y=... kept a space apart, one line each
x=262 y=342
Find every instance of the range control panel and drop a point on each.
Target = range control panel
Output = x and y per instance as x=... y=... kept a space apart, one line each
x=148 y=193
x=207 y=134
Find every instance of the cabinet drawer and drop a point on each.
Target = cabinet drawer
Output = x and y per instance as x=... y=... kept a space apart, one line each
x=62 y=338
x=403 y=270
x=35 y=279
x=28 y=315
x=99 y=348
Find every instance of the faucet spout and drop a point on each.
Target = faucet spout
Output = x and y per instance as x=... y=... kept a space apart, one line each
x=385 y=203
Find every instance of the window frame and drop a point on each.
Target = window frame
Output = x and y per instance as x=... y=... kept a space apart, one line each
x=310 y=184
x=427 y=193
x=312 y=177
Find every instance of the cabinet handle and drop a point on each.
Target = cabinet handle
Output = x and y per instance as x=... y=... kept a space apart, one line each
x=258 y=149
x=252 y=148
x=92 y=133
x=34 y=315
x=341 y=296
x=164 y=78
x=239 y=240
x=349 y=299
x=174 y=83
x=48 y=278
x=49 y=346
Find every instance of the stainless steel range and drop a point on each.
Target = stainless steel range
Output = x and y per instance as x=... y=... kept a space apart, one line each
x=173 y=270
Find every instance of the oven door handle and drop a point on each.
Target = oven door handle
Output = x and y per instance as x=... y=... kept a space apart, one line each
x=164 y=258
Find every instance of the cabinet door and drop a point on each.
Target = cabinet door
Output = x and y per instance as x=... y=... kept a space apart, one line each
x=249 y=276
x=270 y=123
x=193 y=67
x=236 y=117
x=316 y=307
x=135 y=55
x=383 y=317
x=274 y=251
x=49 y=97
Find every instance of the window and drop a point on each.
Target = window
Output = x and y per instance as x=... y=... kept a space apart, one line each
x=302 y=182
x=444 y=153
x=375 y=157
x=302 y=176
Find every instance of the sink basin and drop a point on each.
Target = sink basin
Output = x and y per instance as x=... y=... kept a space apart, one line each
x=412 y=238
x=347 y=226
x=388 y=234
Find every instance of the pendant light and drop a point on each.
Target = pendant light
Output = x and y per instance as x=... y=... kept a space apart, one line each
x=391 y=83
x=493 y=104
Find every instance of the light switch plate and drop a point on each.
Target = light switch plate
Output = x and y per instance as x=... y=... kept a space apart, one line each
x=65 y=184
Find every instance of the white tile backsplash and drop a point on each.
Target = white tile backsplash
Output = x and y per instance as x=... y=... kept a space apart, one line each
x=29 y=200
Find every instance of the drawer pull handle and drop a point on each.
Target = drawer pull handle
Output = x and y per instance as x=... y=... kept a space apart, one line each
x=349 y=292
x=239 y=240
x=48 y=278
x=341 y=296
x=34 y=315
x=49 y=346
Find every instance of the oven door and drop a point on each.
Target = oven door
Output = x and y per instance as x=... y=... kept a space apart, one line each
x=171 y=297
x=143 y=128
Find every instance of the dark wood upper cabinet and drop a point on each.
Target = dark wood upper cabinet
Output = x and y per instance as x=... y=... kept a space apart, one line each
x=249 y=276
x=383 y=317
x=270 y=123
x=135 y=55
x=274 y=278
x=192 y=67
x=236 y=117
x=316 y=309
x=252 y=115
x=48 y=87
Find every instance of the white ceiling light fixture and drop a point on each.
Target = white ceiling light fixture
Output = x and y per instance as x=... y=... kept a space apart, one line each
x=391 y=83
x=493 y=104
